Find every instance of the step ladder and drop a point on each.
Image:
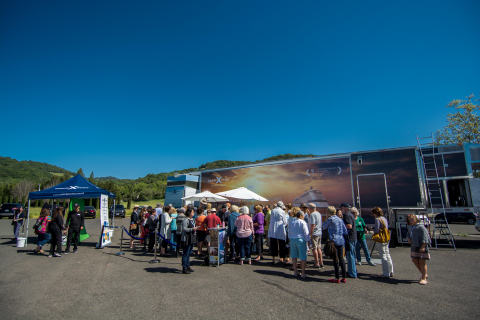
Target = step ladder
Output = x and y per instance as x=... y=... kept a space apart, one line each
x=433 y=168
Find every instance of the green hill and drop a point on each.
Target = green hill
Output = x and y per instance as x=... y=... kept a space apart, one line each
x=13 y=171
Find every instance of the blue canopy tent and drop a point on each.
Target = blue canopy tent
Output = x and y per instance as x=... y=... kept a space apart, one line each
x=76 y=187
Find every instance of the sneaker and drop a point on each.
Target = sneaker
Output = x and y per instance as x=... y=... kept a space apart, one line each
x=322 y=266
x=189 y=269
x=49 y=256
x=185 y=271
x=370 y=263
x=359 y=263
x=58 y=255
x=343 y=280
x=75 y=251
x=334 y=280
x=66 y=251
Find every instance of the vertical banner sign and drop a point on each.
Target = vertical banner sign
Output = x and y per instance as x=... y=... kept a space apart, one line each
x=106 y=236
x=221 y=246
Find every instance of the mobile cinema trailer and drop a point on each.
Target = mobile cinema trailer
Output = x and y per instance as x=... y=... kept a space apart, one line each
x=392 y=179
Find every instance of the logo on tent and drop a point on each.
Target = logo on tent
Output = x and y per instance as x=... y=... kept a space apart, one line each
x=72 y=188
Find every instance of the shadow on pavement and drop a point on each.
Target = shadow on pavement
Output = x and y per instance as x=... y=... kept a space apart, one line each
x=162 y=270
x=313 y=302
x=385 y=280
x=289 y=275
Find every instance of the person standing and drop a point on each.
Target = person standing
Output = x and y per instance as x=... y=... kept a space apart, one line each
x=41 y=229
x=151 y=227
x=381 y=224
x=419 y=241
x=315 y=223
x=201 y=230
x=244 y=233
x=75 y=222
x=232 y=233
x=56 y=228
x=336 y=232
x=299 y=236
x=178 y=232
x=165 y=231
x=134 y=224
x=188 y=228
x=18 y=219
x=258 y=225
x=349 y=221
x=277 y=232
x=361 y=228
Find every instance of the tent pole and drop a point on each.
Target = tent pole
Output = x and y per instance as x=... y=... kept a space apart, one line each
x=113 y=213
x=28 y=221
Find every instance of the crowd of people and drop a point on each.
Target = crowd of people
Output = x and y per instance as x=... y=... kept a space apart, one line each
x=289 y=232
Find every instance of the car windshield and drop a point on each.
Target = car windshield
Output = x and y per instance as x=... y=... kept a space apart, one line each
x=89 y=208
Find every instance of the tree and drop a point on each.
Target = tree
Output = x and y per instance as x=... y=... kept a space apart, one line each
x=463 y=126
x=80 y=172
x=92 y=177
x=21 y=190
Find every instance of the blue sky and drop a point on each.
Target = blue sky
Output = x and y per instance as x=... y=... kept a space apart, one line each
x=127 y=88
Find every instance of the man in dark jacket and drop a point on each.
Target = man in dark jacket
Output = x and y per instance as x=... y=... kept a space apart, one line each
x=151 y=225
x=75 y=223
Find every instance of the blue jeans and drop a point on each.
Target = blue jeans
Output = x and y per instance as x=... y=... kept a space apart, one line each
x=16 y=229
x=352 y=268
x=245 y=245
x=187 y=250
x=362 y=244
x=43 y=238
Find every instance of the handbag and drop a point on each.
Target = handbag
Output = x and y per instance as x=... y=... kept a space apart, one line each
x=383 y=236
x=346 y=239
x=330 y=249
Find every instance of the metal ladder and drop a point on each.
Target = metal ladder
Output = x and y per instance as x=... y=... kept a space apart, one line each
x=433 y=185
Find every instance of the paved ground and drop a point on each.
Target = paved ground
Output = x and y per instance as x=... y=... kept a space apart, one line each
x=96 y=284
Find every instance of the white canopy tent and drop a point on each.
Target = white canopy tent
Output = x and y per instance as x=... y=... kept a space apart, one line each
x=242 y=193
x=207 y=195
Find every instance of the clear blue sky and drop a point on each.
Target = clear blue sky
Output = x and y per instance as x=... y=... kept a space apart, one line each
x=126 y=88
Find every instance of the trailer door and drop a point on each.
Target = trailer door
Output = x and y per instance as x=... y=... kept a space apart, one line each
x=372 y=192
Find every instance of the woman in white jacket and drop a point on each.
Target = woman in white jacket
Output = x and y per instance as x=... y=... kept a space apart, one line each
x=165 y=221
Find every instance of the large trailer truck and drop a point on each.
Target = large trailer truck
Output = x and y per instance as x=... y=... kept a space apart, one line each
x=393 y=179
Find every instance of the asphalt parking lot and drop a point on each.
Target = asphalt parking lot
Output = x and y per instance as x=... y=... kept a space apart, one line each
x=97 y=284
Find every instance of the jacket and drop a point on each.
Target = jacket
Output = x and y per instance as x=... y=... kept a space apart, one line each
x=232 y=217
x=187 y=231
x=278 y=223
x=75 y=220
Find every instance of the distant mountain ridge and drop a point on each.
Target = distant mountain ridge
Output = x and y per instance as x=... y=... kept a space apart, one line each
x=13 y=171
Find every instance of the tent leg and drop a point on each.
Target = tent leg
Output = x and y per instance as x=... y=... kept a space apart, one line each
x=113 y=214
x=28 y=221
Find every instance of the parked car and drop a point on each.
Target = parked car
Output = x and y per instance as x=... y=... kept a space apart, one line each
x=119 y=211
x=7 y=209
x=467 y=217
x=477 y=224
x=90 y=212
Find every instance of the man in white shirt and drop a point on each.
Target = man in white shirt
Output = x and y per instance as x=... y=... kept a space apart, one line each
x=315 y=223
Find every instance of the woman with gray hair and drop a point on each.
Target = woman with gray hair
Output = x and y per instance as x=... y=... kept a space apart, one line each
x=361 y=239
x=244 y=225
x=299 y=237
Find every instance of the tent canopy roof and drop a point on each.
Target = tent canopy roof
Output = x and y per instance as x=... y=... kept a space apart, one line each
x=76 y=187
x=242 y=193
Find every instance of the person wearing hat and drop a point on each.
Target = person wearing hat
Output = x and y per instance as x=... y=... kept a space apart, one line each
x=75 y=222
x=315 y=228
x=349 y=220
x=277 y=232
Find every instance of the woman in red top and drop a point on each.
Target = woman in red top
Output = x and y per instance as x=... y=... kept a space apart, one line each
x=201 y=231
x=244 y=226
